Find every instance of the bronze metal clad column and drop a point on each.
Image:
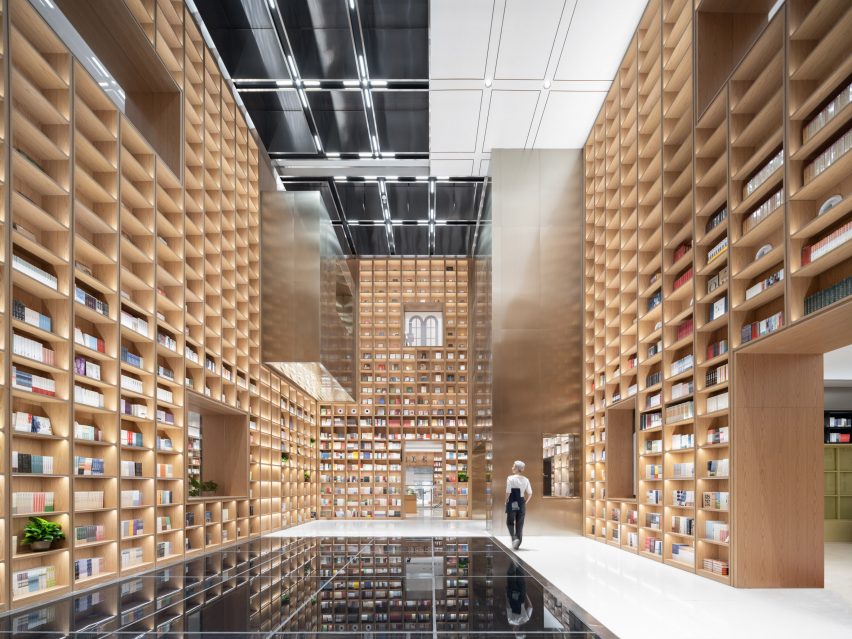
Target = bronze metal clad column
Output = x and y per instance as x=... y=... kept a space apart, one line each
x=537 y=232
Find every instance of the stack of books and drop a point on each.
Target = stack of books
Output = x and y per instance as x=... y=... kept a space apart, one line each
x=33 y=349
x=766 y=207
x=89 y=341
x=88 y=466
x=654 y=497
x=131 y=438
x=88 y=499
x=29 y=423
x=683 y=553
x=165 y=395
x=132 y=527
x=131 y=468
x=837 y=237
x=31 y=270
x=716 y=375
x=33 y=580
x=32 y=464
x=716 y=219
x=167 y=340
x=165 y=417
x=716 y=531
x=681 y=441
x=164 y=523
x=716 y=566
x=86 y=368
x=828 y=296
x=717 y=435
x=683 y=470
x=166 y=548
x=717 y=402
x=22 y=313
x=130 y=557
x=763 y=174
x=89 y=534
x=131 y=498
x=136 y=410
x=85 y=298
x=134 y=323
x=32 y=502
x=829 y=157
x=682 y=389
x=685 y=498
x=165 y=497
x=764 y=284
x=33 y=383
x=654 y=546
x=679 y=412
x=718 y=468
x=91 y=567
x=165 y=471
x=131 y=358
x=719 y=279
x=87 y=432
x=716 y=500
x=827 y=113
x=683 y=525
x=718 y=250
x=762 y=327
x=682 y=279
x=681 y=365
x=653 y=471
x=131 y=383
x=88 y=396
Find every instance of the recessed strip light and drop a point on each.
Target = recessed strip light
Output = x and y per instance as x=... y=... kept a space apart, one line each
x=311 y=83
x=332 y=154
x=340 y=178
x=352 y=4
x=303 y=98
x=292 y=66
x=362 y=66
x=379 y=83
x=317 y=142
x=351 y=83
x=366 y=155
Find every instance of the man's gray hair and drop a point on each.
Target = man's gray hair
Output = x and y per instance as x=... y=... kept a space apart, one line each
x=519 y=465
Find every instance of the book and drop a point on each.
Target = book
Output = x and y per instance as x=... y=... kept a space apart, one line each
x=26 y=503
x=829 y=295
x=22 y=313
x=28 y=423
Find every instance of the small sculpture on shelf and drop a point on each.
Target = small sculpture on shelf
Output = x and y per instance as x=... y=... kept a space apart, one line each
x=40 y=534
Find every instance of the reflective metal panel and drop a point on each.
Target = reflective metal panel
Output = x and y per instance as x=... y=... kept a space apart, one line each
x=307 y=296
x=536 y=287
x=339 y=116
x=361 y=200
x=396 y=38
x=370 y=240
x=452 y=240
x=411 y=240
x=408 y=201
x=283 y=131
x=457 y=200
x=402 y=120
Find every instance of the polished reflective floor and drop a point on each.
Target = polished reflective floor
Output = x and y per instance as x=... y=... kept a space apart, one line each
x=323 y=587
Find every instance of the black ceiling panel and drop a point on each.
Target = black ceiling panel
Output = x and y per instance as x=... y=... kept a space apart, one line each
x=370 y=240
x=234 y=14
x=457 y=200
x=324 y=191
x=408 y=200
x=251 y=53
x=402 y=120
x=361 y=200
x=452 y=240
x=411 y=240
x=340 y=120
x=283 y=131
x=396 y=38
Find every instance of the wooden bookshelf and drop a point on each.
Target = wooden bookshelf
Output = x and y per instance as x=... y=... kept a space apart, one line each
x=133 y=289
x=407 y=393
x=728 y=199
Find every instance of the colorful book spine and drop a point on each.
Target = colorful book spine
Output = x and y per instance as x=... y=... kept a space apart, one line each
x=25 y=463
x=26 y=503
x=33 y=383
x=132 y=527
x=81 y=296
x=89 y=341
x=90 y=533
x=33 y=349
x=33 y=580
x=89 y=466
x=22 y=313
x=88 y=500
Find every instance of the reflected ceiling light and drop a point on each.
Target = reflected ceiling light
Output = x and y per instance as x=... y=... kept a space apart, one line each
x=333 y=154
x=340 y=178
x=352 y=4
x=547 y=84
x=311 y=83
x=488 y=82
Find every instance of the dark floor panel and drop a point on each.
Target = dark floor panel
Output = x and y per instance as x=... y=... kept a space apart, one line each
x=321 y=587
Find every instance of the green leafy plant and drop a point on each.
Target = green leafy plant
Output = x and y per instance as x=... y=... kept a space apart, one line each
x=462 y=477
x=285 y=599
x=41 y=530
x=313 y=441
x=198 y=487
x=285 y=457
x=307 y=476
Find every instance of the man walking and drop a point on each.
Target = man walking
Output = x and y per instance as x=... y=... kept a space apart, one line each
x=518 y=493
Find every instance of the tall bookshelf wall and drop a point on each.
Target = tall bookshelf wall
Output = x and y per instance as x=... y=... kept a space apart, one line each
x=405 y=393
x=696 y=248
x=133 y=290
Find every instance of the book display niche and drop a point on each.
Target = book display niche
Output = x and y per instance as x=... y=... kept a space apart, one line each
x=413 y=386
x=132 y=295
x=716 y=235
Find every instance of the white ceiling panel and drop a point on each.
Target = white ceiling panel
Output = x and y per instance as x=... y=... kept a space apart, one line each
x=453 y=121
x=599 y=34
x=568 y=116
x=838 y=364
x=451 y=168
x=459 y=34
x=509 y=118
x=526 y=40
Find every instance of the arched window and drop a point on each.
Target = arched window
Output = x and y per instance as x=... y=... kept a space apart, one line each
x=430 y=331
x=414 y=333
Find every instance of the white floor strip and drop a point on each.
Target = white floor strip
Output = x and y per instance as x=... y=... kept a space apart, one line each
x=638 y=598
x=384 y=528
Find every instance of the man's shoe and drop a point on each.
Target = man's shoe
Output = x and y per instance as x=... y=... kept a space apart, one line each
x=516 y=544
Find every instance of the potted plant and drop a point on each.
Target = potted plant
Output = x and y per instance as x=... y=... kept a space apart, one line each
x=40 y=534
x=462 y=477
x=285 y=457
x=307 y=476
x=198 y=488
